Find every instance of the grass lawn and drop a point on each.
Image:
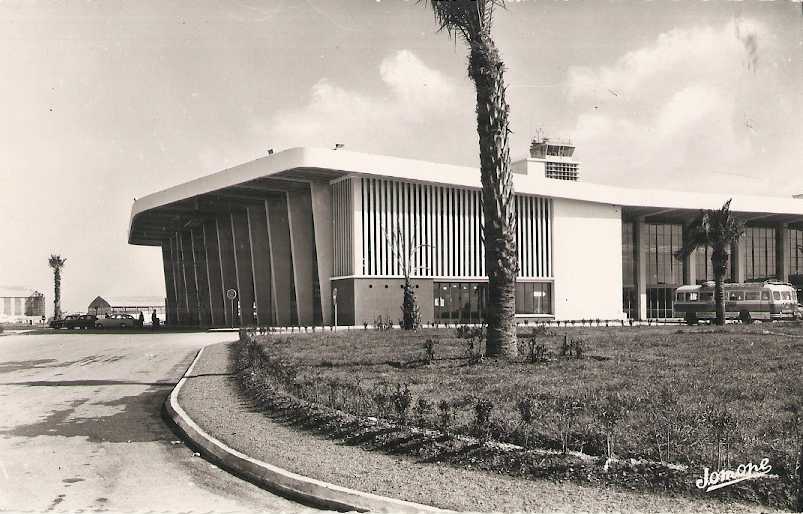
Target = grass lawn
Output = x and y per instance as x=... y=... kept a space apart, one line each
x=696 y=396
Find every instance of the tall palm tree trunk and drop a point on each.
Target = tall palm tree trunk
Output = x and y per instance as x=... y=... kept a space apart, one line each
x=57 y=293
x=486 y=71
x=719 y=261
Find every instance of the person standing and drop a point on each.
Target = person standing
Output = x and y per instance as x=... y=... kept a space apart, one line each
x=154 y=320
x=141 y=319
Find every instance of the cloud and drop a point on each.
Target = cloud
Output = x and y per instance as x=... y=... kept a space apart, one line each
x=693 y=109
x=412 y=114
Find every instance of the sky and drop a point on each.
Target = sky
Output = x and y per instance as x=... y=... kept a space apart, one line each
x=107 y=101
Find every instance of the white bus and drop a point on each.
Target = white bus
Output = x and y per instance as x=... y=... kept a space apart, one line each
x=768 y=301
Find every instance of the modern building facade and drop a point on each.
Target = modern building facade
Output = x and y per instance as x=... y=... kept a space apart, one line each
x=283 y=239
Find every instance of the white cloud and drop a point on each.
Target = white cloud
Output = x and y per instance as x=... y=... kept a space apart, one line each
x=418 y=113
x=694 y=108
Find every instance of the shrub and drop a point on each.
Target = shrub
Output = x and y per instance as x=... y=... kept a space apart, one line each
x=610 y=412
x=423 y=408
x=429 y=349
x=475 y=339
x=482 y=417
x=566 y=410
x=445 y=414
x=572 y=348
x=723 y=430
x=381 y=399
x=402 y=398
x=527 y=408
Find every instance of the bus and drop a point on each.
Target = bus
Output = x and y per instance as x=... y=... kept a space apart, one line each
x=766 y=301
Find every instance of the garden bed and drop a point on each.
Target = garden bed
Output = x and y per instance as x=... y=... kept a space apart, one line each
x=662 y=403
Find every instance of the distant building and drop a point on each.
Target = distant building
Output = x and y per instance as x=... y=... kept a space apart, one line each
x=21 y=304
x=557 y=156
x=133 y=305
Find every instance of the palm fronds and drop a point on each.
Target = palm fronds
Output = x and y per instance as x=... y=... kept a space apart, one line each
x=56 y=261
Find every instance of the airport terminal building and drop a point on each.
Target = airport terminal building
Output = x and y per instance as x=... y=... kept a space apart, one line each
x=283 y=239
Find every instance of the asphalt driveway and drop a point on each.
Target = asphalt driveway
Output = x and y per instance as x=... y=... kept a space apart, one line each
x=80 y=428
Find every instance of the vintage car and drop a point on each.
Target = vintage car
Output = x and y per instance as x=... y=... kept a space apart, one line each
x=82 y=321
x=117 y=321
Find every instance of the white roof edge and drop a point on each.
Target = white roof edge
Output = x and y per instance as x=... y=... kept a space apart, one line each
x=424 y=171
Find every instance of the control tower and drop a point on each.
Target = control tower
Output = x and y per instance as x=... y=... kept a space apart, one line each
x=557 y=157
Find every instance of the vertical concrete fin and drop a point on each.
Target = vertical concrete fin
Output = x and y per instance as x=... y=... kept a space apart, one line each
x=190 y=282
x=321 y=197
x=228 y=270
x=217 y=306
x=302 y=244
x=242 y=262
x=170 y=284
x=201 y=277
x=260 y=264
x=181 y=289
x=281 y=261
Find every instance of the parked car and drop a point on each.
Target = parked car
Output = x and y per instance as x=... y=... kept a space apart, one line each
x=55 y=322
x=117 y=321
x=82 y=321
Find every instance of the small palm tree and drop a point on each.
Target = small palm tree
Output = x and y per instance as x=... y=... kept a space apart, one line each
x=718 y=229
x=407 y=254
x=471 y=21
x=56 y=262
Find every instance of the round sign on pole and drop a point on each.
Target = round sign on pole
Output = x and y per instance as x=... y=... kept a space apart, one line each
x=231 y=294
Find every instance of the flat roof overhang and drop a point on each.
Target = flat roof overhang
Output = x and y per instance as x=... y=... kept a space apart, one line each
x=157 y=216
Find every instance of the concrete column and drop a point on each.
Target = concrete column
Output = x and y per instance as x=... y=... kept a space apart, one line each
x=242 y=261
x=281 y=260
x=201 y=277
x=182 y=306
x=689 y=262
x=217 y=304
x=738 y=261
x=783 y=266
x=260 y=263
x=190 y=281
x=170 y=285
x=642 y=244
x=302 y=244
x=321 y=197
x=228 y=271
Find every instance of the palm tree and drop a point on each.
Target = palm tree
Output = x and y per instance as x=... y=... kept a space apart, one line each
x=56 y=262
x=471 y=21
x=407 y=255
x=718 y=229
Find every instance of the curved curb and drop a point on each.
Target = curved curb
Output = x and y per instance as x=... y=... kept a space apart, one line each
x=282 y=482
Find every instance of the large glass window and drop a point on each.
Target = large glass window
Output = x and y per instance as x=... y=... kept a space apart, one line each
x=663 y=242
x=464 y=302
x=533 y=298
x=795 y=251
x=703 y=268
x=629 y=296
x=459 y=302
x=759 y=246
x=664 y=270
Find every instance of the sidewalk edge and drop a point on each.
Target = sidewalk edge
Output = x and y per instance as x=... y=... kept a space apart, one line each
x=277 y=480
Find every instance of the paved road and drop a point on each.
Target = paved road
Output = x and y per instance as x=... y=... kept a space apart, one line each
x=80 y=428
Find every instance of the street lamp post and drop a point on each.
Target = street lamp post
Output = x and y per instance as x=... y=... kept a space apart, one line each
x=334 y=302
